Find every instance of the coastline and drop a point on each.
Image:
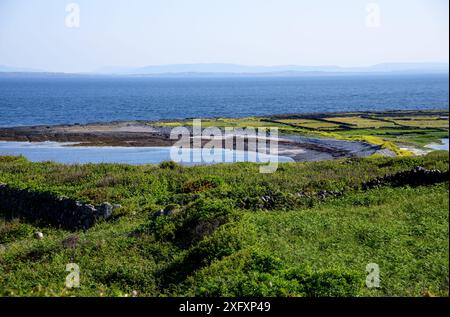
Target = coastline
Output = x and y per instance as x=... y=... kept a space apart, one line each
x=302 y=137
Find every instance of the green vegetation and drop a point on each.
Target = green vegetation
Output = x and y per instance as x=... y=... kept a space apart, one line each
x=360 y=122
x=391 y=130
x=311 y=124
x=226 y=230
x=224 y=122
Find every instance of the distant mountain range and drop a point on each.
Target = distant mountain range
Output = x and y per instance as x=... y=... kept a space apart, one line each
x=7 y=69
x=287 y=69
x=245 y=70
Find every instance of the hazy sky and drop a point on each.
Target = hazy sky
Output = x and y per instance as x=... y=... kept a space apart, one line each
x=33 y=33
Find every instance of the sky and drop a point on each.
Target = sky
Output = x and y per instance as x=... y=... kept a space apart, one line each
x=41 y=34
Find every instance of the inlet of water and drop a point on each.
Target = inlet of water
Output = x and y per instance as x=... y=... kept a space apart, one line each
x=64 y=153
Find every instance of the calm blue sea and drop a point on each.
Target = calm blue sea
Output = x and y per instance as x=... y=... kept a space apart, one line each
x=57 y=100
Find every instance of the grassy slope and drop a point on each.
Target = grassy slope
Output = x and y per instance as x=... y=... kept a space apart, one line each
x=284 y=244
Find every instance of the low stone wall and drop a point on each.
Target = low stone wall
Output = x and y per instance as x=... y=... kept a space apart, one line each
x=418 y=176
x=60 y=211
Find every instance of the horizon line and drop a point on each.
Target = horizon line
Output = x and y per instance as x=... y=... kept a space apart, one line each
x=103 y=70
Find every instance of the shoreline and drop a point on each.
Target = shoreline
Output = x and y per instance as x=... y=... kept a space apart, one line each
x=135 y=135
x=302 y=137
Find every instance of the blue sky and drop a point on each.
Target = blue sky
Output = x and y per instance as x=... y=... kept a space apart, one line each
x=136 y=33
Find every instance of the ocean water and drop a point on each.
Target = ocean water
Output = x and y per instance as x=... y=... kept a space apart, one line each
x=59 y=100
x=62 y=153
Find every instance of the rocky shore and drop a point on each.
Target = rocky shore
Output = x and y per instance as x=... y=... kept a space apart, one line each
x=148 y=134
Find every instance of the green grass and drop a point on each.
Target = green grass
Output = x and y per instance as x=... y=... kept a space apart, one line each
x=362 y=122
x=312 y=124
x=233 y=231
x=225 y=122
x=425 y=123
x=408 y=136
x=391 y=130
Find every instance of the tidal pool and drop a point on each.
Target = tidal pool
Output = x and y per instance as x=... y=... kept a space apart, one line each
x=443 y=146
x=64 y=153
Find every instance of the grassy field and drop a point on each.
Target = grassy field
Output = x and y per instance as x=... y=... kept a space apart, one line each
x=392 y=130
x=308 y=229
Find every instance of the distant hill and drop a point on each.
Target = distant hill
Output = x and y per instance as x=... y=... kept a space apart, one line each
x=235 y=70
x=7 y=69
x=215 y=68
x=283 y=69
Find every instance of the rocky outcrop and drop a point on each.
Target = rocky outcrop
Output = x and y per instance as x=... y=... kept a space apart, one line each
x=60 y=211
x=418 y=176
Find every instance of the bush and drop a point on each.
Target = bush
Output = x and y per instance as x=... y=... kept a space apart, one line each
x=257 y=284
x=254 y=273
x=111 y=181
x=223 y=243
x=163 y=228
x=192 y=223
x=201 y=185
x=207 y=208
x=171 y=165
x=9 y=159
x=202 y=218
x=264 y=262
x=329 y=283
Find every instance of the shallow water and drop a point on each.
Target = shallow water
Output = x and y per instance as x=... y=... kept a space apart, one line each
x=443 y=146
x=62 y=153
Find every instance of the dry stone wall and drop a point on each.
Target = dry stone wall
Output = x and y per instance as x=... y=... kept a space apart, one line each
x=63 y=212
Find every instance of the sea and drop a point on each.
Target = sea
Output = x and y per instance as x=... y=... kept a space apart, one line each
x=49 y=100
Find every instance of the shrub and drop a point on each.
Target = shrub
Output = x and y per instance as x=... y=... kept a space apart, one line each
x=111 y=181
x=223 y=243
x=207 y=208
x=171 y=165
x=202 y=218
x=201 y=185
x=162 y=227
x=257 y=284
x=264 y=262
x=192 y=223
x=10 y=158
x=330 y=283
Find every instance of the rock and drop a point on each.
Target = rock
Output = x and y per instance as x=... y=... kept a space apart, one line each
x=134 y=293
x=418 y=176
x=57 y=210
x=104 y=211
x=71 y=242
x=171 y=210
x=38 y=235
